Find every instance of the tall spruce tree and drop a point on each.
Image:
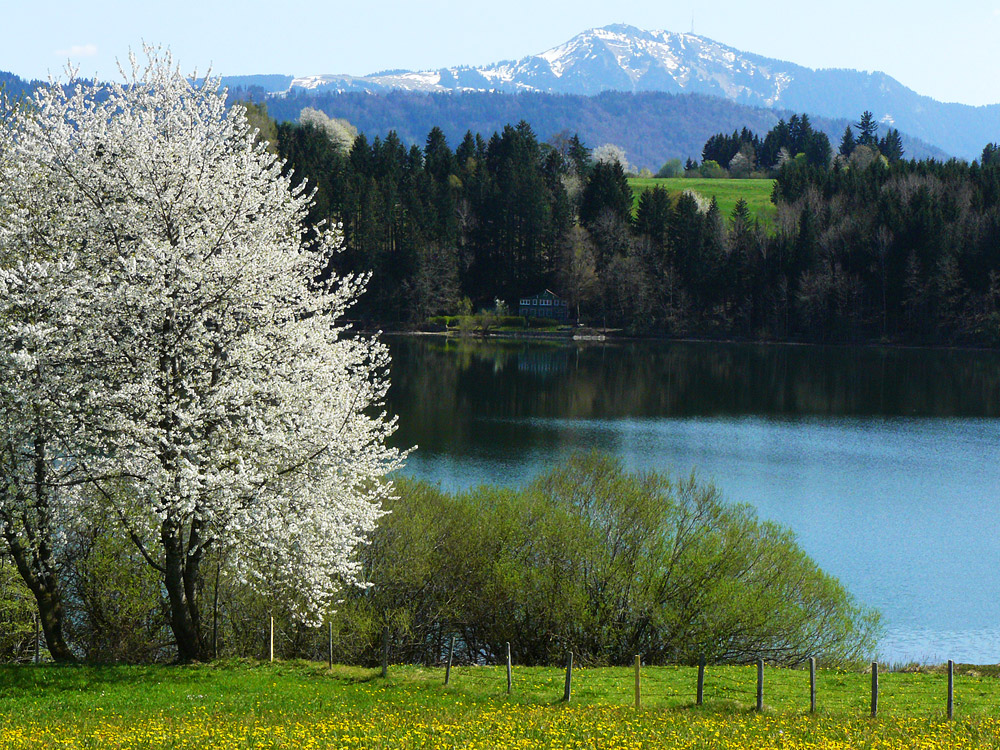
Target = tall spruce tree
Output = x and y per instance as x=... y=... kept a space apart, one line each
x=847 y=142
x=579 y=156
x=891 y=145
x=867 y=130
x=606 y=190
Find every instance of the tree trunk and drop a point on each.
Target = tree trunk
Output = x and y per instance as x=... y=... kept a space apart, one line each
x=50 y=611
x=32 y=551
x=181 y=579
x=44 y=587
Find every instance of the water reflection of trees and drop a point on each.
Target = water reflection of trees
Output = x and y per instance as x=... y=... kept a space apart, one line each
x=441 y=389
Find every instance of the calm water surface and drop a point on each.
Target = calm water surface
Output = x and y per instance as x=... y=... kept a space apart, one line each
x=886 y=463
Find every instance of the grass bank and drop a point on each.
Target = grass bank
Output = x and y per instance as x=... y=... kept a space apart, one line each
x=299 y=705
x=757 y=193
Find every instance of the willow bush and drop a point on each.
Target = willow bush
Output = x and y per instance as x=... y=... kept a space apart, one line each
x=604 y=562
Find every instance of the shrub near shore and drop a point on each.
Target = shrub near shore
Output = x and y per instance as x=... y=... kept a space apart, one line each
x=598 y=560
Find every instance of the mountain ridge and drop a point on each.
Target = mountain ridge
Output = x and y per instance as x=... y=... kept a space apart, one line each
x=620 y=57
x=651 y=126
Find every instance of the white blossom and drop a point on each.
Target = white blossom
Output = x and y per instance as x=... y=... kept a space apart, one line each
x=611 y=153
x=340 y=132
x=171 y=257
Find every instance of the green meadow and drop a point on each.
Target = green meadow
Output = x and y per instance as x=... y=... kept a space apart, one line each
x=236 y=705
x=757 y=193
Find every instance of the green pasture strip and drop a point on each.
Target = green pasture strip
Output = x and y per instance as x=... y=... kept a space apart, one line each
x=292 y=705
x=757 y=193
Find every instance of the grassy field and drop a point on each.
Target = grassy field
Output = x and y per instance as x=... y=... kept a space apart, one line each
x=757 y=193
x=298 y=705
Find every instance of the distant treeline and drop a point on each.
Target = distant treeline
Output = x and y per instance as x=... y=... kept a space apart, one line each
x=864 y=247
x=651 y=126
x=15 y=88
x=744 y=152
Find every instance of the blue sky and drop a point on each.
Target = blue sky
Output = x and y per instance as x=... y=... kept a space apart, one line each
x=950 y=51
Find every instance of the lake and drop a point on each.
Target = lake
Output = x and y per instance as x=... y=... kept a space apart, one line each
x=885 y=462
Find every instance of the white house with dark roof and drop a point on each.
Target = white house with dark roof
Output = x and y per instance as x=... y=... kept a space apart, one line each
x=545 y=304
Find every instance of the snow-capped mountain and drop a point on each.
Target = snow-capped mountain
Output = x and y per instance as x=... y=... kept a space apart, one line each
x=618 y=57
x=625 y=58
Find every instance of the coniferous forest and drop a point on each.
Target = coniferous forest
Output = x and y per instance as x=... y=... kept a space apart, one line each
x=866 y=246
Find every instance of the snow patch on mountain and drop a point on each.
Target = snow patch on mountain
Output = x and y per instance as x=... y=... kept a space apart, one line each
x=310 y=82
x=616 y=57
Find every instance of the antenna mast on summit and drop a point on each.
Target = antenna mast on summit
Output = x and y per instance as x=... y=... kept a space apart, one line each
x=692 y=23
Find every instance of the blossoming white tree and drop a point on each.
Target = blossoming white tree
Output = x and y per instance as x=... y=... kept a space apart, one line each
x=41 y=399
x=225 y=407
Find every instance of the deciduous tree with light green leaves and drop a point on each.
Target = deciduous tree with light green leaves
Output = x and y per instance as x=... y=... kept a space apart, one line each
x=607 y=563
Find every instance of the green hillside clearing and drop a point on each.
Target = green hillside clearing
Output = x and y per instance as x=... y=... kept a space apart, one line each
x=757 y=193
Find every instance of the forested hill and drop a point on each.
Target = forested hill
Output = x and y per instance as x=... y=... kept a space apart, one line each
x=866 y=246
x=651 y=126
x=15 y=87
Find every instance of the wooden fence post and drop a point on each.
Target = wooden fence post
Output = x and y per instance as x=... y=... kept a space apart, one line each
x=874 y=689
x=568 y=690
x=812 y=684
x=272 y=639
x=38 y=641
x=638 y=663
x=509 y=681
x=385 y=651
x=330 y=651
x=951 y=689
x=701 y=681
x=451 y=652
x=760 y=685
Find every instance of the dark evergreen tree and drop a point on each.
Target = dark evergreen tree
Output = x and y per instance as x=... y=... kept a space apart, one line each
x=991 y=155
x=606 y=190
x=741 y=213
x=891 y=146
x=867 y=130
x=439 y=161
x=466 y=156
x=579 y=156
x=799 y=133
x=310 y=156
x=776 y=139
x=515 y=240
x=653 y=217
x=847 y=142
x=818 y=150
x=686 y=241
x=717 y=273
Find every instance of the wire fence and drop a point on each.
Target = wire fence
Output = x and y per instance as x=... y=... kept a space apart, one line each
x=739 y=687
x=743 y=687
x=747 y=688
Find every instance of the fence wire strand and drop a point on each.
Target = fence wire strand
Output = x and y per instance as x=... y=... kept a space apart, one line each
x=899 y=693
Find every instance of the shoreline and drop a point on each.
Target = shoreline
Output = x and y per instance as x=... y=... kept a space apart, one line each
x=610 y=336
